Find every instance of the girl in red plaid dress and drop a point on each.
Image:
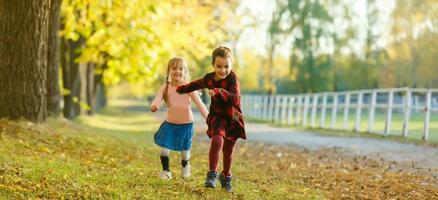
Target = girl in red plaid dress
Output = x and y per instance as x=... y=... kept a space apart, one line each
x=225 y=120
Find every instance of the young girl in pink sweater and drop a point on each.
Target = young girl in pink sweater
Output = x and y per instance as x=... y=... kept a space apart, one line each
x=176 y=132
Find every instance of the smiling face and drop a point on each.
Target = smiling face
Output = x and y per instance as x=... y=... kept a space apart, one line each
x=222 y=67
x=177 y=72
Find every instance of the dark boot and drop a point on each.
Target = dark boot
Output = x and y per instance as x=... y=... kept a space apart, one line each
x=210 y=182
x=226 y=182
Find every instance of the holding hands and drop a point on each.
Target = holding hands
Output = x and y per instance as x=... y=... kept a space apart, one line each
x=211 y=92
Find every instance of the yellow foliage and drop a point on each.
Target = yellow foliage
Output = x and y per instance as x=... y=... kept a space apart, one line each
x=141 y=35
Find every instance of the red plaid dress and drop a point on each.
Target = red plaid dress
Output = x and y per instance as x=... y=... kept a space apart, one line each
x=225 y=116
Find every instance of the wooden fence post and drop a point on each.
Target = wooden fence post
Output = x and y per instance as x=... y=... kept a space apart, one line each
x=290 y=110
x=260 y=108
x=324 y=105
x=305 y=110
x=314 y=110
x=334 y=111
x=249 y=106
x=265 y=107
x=271 y=108
x=407 y=112
x=298 y=110
x=372 y=111
x=389 y=112
x=346 y=110
x=283 y=110
x=427 y=109
x=358 y=112
x=277 y=108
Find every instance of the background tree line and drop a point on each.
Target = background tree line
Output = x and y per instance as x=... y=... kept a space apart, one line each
x=67 y=56
x=70 y=52
x=334 y=45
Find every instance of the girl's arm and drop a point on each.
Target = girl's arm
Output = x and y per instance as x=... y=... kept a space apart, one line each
x=158 y=99
x=192 y=86
x=201 y=106
x=233 y=95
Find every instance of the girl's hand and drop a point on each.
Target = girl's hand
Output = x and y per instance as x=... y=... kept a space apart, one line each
x=211 y=92
x=154 y=108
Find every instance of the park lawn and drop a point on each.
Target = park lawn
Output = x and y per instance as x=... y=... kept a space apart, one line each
x=111 y=155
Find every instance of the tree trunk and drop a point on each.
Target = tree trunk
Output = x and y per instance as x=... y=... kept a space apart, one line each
x=270 y=69
x=90 y=88
x=100 y=99
x=68 y=99
x=87 y=86
x=83 y=88
x=53 y=93
x=75 y=79
x=24 y=31
x=413 y=66
x=70 y=77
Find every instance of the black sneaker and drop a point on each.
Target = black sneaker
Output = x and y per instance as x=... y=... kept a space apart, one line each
x=226 y=182
x=210 y=182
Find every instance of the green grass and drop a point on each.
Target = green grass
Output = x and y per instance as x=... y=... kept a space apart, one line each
x=112 y=156
x=415 y=130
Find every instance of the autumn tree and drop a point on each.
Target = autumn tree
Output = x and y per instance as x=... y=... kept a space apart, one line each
x=53 y=89
x=122 y=41
x=24 y=28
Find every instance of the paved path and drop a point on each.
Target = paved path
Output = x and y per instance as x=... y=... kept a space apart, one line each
x=421 y=156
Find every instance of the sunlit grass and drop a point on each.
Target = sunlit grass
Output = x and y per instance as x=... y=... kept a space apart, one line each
x=111 y=155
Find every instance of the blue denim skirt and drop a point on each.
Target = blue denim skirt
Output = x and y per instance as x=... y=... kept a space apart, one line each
x=177 y=137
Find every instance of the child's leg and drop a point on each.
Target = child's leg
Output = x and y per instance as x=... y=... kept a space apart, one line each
x=185 y=170
x=216 y=145
x=227 y=151
x=185 y=157
x=164 y=157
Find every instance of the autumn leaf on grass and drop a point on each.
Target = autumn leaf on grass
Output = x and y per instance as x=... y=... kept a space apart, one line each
x=44 y=149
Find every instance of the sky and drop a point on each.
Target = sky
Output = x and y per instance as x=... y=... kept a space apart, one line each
x=255 y=38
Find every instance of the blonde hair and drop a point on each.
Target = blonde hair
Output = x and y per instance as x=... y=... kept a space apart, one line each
x=172 y=62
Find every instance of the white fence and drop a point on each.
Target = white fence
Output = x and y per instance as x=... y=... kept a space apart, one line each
x=299 y=109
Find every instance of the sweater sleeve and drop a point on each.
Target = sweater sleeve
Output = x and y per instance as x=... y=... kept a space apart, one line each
x=192 y=86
